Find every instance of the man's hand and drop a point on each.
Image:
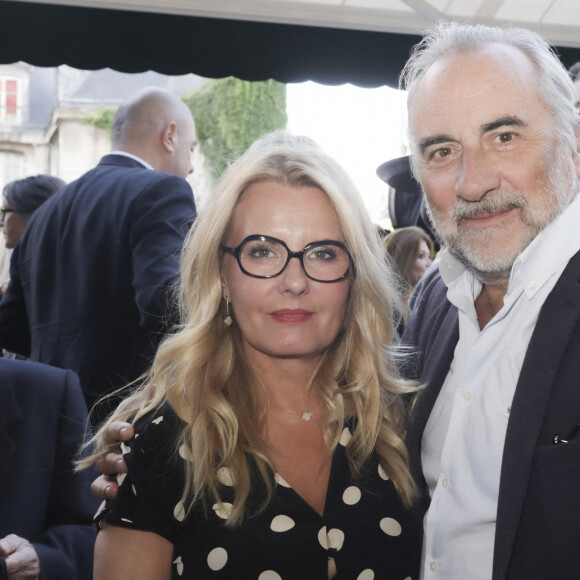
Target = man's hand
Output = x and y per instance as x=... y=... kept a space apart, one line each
x=21 y=558
x=105 y=486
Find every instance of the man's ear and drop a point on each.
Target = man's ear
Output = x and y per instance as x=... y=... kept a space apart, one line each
x=168 y=137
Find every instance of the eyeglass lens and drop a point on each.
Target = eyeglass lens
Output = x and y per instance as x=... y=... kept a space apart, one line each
x=267 y=257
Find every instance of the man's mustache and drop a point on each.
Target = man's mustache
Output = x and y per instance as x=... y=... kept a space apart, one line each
x=485 y=207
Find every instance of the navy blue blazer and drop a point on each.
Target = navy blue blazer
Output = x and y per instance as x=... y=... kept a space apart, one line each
x=43 y=420
x=90 y=276
x=538 y=515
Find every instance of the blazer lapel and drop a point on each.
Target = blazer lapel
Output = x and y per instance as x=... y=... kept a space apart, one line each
x=438 y=361
x=562 y=311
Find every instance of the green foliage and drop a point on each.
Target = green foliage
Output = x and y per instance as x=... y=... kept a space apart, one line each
x=231 y=114
x=104 y=119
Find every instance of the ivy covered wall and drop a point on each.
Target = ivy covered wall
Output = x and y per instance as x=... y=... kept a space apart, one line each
x=231 y=114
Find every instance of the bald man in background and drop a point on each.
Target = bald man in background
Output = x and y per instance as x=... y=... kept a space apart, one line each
x=90 y=278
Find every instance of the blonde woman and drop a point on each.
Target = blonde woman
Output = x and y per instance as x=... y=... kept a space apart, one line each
x=268 y=437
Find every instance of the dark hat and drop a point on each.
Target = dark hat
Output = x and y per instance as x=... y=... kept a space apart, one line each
x=397 y=174
x=406 y=206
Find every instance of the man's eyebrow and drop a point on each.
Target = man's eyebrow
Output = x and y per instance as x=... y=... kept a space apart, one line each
x=503 y=122
x=427 y=142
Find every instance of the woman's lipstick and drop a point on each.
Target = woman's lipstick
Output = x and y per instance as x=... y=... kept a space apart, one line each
x=291 y=315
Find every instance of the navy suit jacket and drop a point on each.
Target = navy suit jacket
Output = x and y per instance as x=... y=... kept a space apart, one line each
x=91 y=274
x=538 y=515
x=43 y=421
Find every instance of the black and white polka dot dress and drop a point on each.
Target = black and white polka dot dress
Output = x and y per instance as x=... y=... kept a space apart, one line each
x=364 y=527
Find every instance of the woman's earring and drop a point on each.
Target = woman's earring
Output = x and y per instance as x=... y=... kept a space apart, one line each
x=228 y=319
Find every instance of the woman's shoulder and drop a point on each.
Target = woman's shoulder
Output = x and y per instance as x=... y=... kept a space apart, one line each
x=162 y=419
x=154 y=444
x=150 y=492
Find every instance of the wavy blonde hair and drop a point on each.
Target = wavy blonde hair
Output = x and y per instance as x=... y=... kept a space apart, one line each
x=201 y=370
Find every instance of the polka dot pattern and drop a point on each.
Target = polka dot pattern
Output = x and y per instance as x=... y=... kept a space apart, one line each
x=281 y=481
x=391 y=527
x=322 y=539
x=345 y=437
x=225 y=476
x=223 y=510
x=217 y=559
x=178 y=565
x=351 y=495
x=344 y=537
x=382 y=473
x=179 y=512
x=335 y=539
x=269 y=575
x=282 y=524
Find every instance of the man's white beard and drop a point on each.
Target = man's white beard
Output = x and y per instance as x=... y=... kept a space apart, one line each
x=475 y=247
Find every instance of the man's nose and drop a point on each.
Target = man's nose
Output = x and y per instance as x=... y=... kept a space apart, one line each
x=477 y=176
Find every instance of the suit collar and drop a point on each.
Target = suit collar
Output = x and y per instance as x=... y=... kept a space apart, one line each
x=123 y=160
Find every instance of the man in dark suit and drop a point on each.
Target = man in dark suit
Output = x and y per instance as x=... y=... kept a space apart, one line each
x=494 y=439
x=91 y=275
x=46 y=508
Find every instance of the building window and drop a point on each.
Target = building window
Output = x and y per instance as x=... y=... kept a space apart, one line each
x=11 y=167
x=10 y=101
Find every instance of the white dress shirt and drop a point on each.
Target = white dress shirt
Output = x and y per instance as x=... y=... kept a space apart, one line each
x=131 y=156
x=463 y=441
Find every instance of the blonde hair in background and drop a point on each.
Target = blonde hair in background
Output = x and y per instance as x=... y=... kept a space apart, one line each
x=201 y=369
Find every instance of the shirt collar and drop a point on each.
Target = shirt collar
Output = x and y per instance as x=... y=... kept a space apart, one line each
x=549 y=252
x=130 y=155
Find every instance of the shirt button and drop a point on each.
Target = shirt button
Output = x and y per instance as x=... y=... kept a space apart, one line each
x=467 y=395
x=532 y=286
x=433 y=566
x=445 y=482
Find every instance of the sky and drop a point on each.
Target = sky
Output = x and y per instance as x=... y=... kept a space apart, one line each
x=360 y=128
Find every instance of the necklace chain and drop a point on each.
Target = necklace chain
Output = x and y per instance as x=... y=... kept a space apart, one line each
x=305 y=415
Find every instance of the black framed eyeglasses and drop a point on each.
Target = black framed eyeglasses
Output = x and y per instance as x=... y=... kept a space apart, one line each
x=266 y=257
x=4 y=211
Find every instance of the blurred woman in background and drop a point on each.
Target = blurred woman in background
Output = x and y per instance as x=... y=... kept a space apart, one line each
x=411 y=250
